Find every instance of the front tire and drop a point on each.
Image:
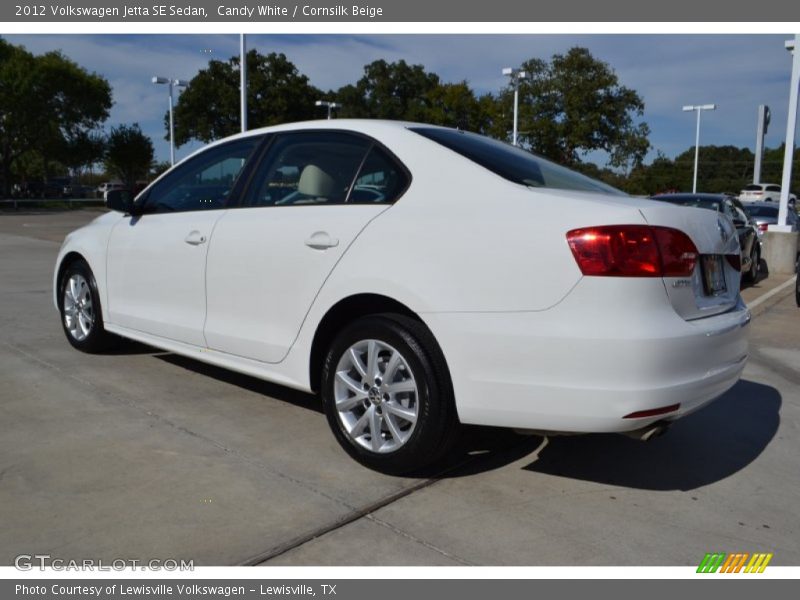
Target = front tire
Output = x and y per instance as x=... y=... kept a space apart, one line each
x=81 y=314
x=387 y=394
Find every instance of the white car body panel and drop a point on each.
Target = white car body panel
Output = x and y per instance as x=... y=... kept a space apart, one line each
x=156 y=274
x=266 y=277
x=484 y=263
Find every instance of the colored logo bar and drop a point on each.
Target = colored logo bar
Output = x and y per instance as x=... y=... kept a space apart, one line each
x=737 y=562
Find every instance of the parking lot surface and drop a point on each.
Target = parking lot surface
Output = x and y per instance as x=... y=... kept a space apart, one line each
x=143 y=454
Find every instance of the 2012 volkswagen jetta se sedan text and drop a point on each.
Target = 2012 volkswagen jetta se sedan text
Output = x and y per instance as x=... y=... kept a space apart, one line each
x=417 y=277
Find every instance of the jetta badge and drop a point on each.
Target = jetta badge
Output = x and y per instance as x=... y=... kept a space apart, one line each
x=723 y=231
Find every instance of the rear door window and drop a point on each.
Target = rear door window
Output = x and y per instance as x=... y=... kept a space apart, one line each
x=308 y=168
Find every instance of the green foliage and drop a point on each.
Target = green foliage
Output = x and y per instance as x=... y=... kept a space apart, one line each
x=720 y=169
x=573 y=105
x=208 y=108
x=404 y=92
x=48 y=105
x=129 y=154
x=396 y=91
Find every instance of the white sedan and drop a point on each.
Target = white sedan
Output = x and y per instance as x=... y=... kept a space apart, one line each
x=417 y=277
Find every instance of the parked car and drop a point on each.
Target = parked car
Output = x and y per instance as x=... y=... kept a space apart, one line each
x=417 y=277
x=746 y=229
x=50 y=188
x=763 y=192
x=797 y=284
x=766 y=214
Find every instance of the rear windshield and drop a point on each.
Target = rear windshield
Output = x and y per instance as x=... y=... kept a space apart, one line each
x=753 y=187
x=761 y=211
x=513 y=163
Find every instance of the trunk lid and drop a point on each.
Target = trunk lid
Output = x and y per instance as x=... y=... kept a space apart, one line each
x=713 y=287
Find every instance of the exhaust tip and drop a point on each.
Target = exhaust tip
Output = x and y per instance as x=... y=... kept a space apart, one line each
x=651 y=432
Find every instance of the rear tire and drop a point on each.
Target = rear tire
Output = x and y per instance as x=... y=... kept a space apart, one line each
x=387 y=394
x=81 y=313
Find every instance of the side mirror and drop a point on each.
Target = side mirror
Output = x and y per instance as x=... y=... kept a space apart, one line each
x=120 y=201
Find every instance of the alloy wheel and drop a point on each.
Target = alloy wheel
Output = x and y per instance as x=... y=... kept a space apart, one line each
x=78 y=309
x=376 y=396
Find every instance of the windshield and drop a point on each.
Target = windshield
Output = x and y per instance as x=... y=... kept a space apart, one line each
x=513 y=163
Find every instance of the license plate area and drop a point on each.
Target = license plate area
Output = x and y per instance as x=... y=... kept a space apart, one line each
x=713 y=275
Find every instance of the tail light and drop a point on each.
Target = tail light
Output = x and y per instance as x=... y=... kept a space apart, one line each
x=762 y=227
x=633 y=251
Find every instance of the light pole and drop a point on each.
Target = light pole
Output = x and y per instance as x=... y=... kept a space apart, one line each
x=792 y=46
x=699 y=108
x=331 y=106
x=516 y=75
x=171 y=83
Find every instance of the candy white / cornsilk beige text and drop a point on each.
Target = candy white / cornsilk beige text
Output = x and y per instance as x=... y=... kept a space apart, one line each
x=247 y=11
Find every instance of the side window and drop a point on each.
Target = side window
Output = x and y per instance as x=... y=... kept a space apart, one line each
x=773 y=188
x=204 y=182
x=380 y=180
x=309 y=167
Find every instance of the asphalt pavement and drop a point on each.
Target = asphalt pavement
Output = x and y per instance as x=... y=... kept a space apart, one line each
x=143 y=454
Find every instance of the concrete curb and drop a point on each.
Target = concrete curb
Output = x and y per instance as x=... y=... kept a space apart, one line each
x=772 y=297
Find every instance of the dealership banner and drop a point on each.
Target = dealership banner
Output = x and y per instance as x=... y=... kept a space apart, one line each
x=397 y=589
x=194 y=11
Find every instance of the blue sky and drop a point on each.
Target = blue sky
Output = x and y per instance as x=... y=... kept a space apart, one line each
x=737 y=72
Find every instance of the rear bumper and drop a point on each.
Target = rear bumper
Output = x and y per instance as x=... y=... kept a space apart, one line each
x=611 y=348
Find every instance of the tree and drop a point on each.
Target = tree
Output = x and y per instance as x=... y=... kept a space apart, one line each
x=277 y=92
x=84 y=150
x=46 y=103
x=129 y=154
x=395 y=90
x=720 y=168
x=455 y=105
x=573 y=105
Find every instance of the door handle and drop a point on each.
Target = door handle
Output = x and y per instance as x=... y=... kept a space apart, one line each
x=321 y=240
x=195 y=238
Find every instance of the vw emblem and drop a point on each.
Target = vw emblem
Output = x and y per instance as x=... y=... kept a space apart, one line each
x=723 y=230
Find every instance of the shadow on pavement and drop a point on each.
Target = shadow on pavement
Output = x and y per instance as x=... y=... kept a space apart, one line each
x=252 y=384
x=705 y=447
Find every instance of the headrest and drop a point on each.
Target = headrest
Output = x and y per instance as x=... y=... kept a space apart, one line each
x=316 y=182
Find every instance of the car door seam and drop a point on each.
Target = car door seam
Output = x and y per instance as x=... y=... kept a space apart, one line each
x=205 y=274
x=324 y=281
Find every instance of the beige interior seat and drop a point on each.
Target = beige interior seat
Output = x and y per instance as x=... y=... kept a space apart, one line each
x=316 y=184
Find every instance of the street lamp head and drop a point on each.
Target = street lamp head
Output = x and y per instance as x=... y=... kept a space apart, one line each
x=161 y=80
x=508 y=71
x=180 y=82
x=692 y=107
x=522 y=75
x=320 y=103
